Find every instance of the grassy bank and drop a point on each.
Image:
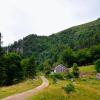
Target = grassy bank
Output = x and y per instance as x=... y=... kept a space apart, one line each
x=18 y=88
x=87 y=88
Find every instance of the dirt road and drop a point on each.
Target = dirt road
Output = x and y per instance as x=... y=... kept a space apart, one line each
x=25 y=95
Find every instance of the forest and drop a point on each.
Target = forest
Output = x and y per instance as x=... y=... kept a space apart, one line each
x=79 y=44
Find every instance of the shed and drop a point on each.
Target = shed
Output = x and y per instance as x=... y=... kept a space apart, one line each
x=61 y=69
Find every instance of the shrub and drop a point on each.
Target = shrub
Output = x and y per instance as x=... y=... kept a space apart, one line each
x=54 y=79
x=69 y=88
x=83 y=79
x=97 y=66
x=75 y=70
x=59 y=76
x=69 y=75
x=56 y=76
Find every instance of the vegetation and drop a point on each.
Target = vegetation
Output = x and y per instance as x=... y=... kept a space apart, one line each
x=13 y=69
x=97 y=65
x=31 y=68
x=87 y=69
x=86 y=87
x=60 y=76
x=69 y=88
x=18 y=88
x=75 y=70
x=79 y=44
x=76 y=46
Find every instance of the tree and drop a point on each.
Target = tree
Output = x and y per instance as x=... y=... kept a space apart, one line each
x=95 y=52
x=31 y=68
x=67 y=57
x=3 y=75
x=47 y=66
x=97 y=66
x=75 y=70
x=1 y=50
x=83 y=57
x=25 y=64
x=14 y=70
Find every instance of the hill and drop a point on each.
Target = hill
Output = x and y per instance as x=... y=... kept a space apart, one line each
x=44 y=47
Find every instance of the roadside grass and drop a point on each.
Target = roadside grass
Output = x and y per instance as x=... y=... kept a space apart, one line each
x=87 y=88
x=21 y=87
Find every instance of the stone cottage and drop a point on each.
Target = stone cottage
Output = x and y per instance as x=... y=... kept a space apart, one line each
x=61 y=69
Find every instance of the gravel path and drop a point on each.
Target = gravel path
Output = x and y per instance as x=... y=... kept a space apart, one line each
x=25 y=95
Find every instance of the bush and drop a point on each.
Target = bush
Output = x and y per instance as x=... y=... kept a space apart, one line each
x=75 y=70
x=57 y=76
x=54 y=79
x=97 y=66
x=69 y=88
x=69 y=76
x=83 y=79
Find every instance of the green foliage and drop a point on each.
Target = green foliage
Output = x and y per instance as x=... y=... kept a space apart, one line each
x=60 y=76
x=14 y=70
x=95 y=52
x=31 y=68
x=79 y=44
x=84 y=57
x=75 y=70
x=3 y=75
x=47 y=66
x=25 y=64
x=67 y=57
x=10 y=69
x=97 y=65
x=54 y=79
x=69 y=76
x=69 y=88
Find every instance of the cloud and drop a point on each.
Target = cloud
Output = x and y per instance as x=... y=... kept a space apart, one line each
x=18 y=18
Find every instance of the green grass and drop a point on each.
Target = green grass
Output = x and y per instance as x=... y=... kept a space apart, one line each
x=89 y=68
x=87 y=88
x=18 y=88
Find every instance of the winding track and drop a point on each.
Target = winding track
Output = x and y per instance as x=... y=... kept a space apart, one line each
x=25 y=95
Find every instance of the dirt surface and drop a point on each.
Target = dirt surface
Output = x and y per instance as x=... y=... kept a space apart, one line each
x=25 y=95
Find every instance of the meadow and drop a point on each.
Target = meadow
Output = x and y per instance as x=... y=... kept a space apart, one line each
x=21 y=87
x=86 y=87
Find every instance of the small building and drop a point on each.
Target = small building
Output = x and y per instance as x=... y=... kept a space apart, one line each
x=61 y=69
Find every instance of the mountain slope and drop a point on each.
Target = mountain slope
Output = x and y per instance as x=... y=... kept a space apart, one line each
x=44 y=47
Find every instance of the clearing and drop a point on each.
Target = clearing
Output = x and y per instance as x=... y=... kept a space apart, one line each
x=86 y=87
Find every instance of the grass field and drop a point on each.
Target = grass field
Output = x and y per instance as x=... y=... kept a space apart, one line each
x=18 y=88
x=87 y=88
x=89 y=68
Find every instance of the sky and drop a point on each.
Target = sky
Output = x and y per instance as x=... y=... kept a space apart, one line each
x=19 y=18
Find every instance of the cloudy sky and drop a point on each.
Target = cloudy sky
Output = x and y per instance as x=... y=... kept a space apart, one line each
x=18 y=18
